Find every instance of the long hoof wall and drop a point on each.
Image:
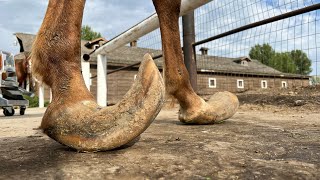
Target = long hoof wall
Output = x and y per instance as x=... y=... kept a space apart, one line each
x=220 y=107
x=86 y=127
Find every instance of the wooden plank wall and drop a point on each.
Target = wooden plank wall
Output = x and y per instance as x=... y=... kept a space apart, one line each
x=120 y=82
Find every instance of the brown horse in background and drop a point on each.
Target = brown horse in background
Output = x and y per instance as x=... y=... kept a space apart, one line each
x=23 y=71
x=2 y=75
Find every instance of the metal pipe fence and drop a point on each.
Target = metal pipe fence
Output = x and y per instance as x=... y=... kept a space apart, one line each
x=241 y=45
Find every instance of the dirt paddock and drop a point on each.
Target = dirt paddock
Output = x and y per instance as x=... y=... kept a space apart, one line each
x=259 y=142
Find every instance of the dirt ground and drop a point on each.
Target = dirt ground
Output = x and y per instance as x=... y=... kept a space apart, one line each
x=264 y=140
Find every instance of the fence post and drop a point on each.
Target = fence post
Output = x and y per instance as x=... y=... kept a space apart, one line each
x=50 y=96
x=188 y=40
x=85 y=68
x=27 y=82
x=41 y=96
x=102 y=80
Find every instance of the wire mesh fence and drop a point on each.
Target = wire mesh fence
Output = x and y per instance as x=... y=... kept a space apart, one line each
x=280 y=53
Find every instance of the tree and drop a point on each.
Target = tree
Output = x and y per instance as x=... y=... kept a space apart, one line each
x=296 y=61
x=283 y=62
x=302 y=62
x=262 y=53
x=88 y=34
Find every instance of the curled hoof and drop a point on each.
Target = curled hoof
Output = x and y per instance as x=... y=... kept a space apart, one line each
x=220 y=106
x=84 y=126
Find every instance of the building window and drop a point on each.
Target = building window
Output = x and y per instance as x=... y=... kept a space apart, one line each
x=212 y=83
x=240 y=83
x=284 y=84
x=264 y=84
x=135 y=77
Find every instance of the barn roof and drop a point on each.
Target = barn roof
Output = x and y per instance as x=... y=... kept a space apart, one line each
x=126 y=55
x=25 y=41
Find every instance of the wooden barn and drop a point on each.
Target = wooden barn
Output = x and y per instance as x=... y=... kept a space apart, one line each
x=214 y=73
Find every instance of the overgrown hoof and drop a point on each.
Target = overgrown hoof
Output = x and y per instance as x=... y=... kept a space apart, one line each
x=220 y=107
x=85 y=126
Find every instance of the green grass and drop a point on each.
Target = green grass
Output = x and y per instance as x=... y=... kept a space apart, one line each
x=34 y=101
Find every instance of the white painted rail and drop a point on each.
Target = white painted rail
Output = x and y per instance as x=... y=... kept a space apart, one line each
x=148 y=25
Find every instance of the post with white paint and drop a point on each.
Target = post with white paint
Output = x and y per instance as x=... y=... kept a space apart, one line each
x=85 y=68
x=28 y=84
x=50 y=95
x=41 y=96
x=102 y=80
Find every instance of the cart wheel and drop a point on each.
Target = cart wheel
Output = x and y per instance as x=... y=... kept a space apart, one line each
x=6 y=112
x=22 y=110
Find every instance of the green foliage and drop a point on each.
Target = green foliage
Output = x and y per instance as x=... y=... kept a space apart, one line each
x=296 y=61
x=283 y=62
x=262 y=53
x=34 y=101
x=46 y=103
x=88 y=34
x=302 y=62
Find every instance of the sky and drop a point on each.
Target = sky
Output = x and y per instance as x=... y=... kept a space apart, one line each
x=112 y=17
x=109 y=17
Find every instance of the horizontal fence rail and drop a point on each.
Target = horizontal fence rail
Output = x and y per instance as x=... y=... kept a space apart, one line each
x=263 y=22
